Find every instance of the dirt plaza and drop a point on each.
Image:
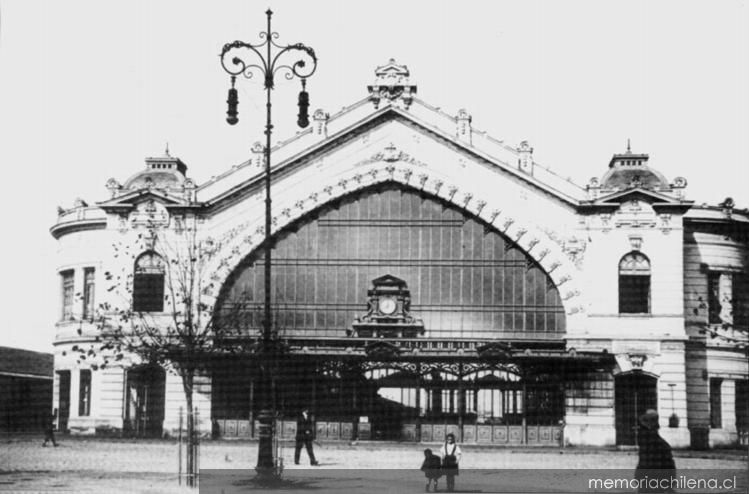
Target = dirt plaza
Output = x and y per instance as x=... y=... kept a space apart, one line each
x=125 y=466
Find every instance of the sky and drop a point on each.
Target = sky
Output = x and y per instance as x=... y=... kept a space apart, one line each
x=88 y=89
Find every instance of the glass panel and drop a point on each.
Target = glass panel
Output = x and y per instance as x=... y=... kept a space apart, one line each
x=88 y=293
x=148 y=283
x=634 y=294
x=84 y=393
x=463 y=281
x=67 y=294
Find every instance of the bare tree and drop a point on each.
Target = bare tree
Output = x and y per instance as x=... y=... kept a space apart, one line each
x=183 y=336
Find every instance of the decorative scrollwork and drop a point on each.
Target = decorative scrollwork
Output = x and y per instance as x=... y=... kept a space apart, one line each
x=246 y=59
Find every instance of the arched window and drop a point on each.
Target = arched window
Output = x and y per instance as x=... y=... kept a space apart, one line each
x=148 y=283
x=634 y=284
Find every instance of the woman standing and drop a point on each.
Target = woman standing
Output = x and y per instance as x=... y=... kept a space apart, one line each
x=450 y=453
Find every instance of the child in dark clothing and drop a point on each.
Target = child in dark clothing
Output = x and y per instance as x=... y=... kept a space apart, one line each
x=431 y=468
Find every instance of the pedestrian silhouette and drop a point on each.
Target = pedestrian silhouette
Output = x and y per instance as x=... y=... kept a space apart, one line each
x=305 y=434
x=49 y=429
x=432 y=468
x=450 y=453
x=655 y=467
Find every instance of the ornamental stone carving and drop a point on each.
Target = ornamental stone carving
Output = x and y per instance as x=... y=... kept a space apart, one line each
x=525 y=158
x=463 y=126
x=451 y=192
x=392 y=85
x=113 y=186
x=391 y=154
x=493 y=215
x=150 y=214
x=320 y=123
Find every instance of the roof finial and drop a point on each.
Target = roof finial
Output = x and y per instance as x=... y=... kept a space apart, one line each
x=167 y=149
x=629 y=148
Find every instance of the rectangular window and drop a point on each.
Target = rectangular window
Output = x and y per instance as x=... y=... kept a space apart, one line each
x=88 y=293
x=148 y=292
x=715 y=403
x=84 y=393
x=470 y=401
x=713 y=304
x=634 y=294
x=67 y=294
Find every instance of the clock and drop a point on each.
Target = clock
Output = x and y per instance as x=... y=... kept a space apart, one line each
x=388 y=312
x=387 y=305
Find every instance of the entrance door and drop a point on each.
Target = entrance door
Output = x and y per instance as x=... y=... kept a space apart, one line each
x=64 y=400
x=634 y=394
x=144 y=401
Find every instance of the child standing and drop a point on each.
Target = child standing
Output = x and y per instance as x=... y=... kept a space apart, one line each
x=451 y=454
x=431 y=468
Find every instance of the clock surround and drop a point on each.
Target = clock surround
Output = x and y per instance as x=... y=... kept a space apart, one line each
x=388 y=311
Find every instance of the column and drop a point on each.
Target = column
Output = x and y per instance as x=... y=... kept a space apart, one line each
x=418 y=402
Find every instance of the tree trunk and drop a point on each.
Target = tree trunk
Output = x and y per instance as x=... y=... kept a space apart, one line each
x=188 y=378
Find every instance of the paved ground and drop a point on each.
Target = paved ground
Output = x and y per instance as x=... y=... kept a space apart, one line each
x=119 y=466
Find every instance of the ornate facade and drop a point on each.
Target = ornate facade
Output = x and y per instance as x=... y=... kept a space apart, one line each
x=428 y=278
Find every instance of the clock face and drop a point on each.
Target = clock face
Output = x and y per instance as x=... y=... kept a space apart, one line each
x=387 y=305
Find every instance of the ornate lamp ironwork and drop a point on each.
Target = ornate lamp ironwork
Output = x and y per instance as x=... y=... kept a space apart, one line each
x=266 y=60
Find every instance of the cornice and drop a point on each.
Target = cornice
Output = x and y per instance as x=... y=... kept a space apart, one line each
x=67 y=227
x=284 y=168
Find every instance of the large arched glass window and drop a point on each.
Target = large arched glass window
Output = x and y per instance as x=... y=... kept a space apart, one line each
x=634 y=284
x=148 y=283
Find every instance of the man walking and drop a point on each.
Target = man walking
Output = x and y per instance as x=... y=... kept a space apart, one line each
x=305 y=434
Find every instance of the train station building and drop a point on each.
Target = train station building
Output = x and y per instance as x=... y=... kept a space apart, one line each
x=427 y=278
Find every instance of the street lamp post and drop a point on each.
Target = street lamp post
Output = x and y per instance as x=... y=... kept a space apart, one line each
x=245 y=59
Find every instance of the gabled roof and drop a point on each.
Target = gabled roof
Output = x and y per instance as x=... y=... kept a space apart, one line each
x=288 y=155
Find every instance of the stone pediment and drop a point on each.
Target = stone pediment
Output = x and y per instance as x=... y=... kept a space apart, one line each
x=131 y=200
x=657 y=200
